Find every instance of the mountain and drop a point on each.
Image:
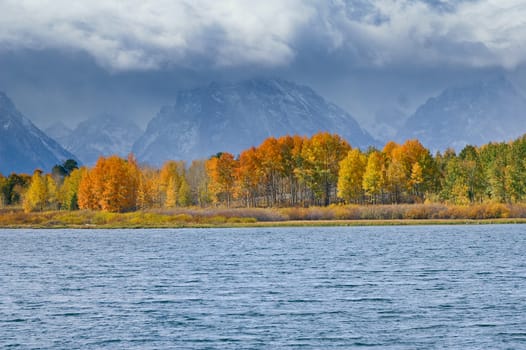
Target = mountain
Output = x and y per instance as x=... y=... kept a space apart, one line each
x=23 y=146
x=473 y=114
x=58 y=131
x=103 y=135
x=234 y=116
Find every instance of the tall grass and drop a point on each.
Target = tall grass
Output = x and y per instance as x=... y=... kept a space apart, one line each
x=181 y=217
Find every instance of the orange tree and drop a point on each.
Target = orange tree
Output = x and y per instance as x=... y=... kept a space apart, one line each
x=221 y=170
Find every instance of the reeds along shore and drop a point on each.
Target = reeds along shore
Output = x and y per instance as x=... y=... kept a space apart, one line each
x=210 y=217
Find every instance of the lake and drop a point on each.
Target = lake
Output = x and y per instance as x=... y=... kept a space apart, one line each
x=416 y=287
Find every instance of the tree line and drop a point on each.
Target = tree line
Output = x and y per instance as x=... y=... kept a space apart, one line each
x=289 y=171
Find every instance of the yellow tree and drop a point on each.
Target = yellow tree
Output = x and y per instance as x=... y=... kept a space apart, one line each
x=170 y=182
x=68 y=193
x=298 y=188
x=374 y=178
x=171 y=194
x=132 y=178
x=184 y=198
x=322 y=154
x=148 y=188
x=36 y=195
x=350 y=176
x=396 y=173
x=413 y=152
x=417 y=178
x=52 y=193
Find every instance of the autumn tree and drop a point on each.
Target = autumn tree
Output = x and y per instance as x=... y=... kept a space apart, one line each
x=198 y=180
x=170 y=178
x=350 y=176
x=518 y=169
x=148 y=191
x=473 y=172
x=52 y=188
x=322 y=154
x=119 y=184
x=184 y=198
x=374 y=176
x=421 y=178
x=291 y=159
x=36 y=195
x=87 y=193
x=68 y=192
x=14 y=187
x=455 y=188
x=221 y=170
x=111 y=185
x=498 y=171
x=249 y=176
x=270 y=163
x=416 y=179
x=3 y=185
x=396 y=172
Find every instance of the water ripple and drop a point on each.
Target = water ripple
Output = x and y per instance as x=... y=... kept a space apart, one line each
x=455 y=287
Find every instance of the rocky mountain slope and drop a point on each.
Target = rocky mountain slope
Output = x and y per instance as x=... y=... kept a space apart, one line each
x=23 y=146
x=474 y=114
x=104 y=135
x=234 y=116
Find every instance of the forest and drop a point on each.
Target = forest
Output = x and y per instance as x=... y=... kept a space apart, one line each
x=284 y=172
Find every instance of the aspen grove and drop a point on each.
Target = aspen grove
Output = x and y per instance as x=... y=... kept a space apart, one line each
x=289 y=171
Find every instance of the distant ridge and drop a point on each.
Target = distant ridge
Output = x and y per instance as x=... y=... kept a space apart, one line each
x=235 y=116
x=103 y=135
x=23 y=146
x=475 y=114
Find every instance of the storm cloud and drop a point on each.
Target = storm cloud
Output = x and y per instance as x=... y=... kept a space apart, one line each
x=67 y=61
x=153 y=35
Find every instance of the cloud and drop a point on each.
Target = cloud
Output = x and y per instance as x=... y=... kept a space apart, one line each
x=144 y=35
x=138 y=34
x=486 y=33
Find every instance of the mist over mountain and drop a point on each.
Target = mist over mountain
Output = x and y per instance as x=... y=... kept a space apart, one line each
x=58 y=131
x=23 y=146
x=475 y=114
x=234 y=116
x=103 y=135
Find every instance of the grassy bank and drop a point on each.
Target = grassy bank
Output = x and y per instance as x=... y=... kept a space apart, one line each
x=416 y=214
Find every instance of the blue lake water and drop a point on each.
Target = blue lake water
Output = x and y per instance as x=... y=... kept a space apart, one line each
x=419 y=287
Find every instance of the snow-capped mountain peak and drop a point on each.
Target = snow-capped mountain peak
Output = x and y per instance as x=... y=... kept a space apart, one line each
x=234 y=116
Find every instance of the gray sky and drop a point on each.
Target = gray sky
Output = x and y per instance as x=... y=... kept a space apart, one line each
x=69 y=60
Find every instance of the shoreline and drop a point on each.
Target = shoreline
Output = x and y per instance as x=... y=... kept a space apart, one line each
x=271 y=224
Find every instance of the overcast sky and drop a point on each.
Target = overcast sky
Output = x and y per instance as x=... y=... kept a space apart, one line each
x=69 y=60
